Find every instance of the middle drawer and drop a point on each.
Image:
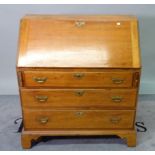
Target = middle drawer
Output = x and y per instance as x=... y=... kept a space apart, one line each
x=112 y=98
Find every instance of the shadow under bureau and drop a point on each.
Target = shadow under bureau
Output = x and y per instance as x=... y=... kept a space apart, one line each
x=78 y=75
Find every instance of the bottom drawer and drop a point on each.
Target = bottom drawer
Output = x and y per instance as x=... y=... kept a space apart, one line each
x=75 y=119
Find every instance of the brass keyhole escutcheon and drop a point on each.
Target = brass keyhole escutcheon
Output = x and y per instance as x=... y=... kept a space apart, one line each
x=78 y=75
x=79 y=24
x=79 y=92
x=79 y=113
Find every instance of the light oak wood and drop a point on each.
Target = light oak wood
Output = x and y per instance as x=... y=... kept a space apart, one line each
x=26 y=140
x=71 y=79
x=96 y=18
x=28 y=136
x=58 y=42
x=78 y=119
x=78 y=75
x=76 y=98
x=130 y=138
x=135 y=44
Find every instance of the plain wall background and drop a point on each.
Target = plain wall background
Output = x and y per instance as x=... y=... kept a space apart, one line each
x=9 y=24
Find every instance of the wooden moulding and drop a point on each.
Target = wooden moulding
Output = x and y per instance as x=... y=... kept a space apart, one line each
x=28 y=136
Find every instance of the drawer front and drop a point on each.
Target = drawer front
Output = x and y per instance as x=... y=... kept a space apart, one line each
x=77 y=79
x=114 y=98
x=84 y=119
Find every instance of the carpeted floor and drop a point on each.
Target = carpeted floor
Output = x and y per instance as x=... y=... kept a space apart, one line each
x=10 y=140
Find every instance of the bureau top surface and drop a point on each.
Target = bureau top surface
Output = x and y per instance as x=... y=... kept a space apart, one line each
x=72 y=41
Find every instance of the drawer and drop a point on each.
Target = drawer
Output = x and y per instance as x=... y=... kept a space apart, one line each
x=111 y=98
x=77 y=79
x=74 y=119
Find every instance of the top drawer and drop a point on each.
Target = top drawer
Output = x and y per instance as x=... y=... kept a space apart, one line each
x=77 y=79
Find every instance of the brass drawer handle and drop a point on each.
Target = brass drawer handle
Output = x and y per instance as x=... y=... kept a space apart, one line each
x=115 y=120
x=43 y=120
x=79 y=114
x=79 y=23
x=40 y=79
x=42 y=98
x=78 y=75
x=79 y=92
x=116 y=98
x=117 y=80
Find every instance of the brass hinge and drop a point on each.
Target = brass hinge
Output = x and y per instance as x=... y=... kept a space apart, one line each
x=20 y=81
x=136 y=79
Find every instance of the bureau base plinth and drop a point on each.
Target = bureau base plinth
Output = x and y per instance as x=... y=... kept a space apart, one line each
x=28 y=136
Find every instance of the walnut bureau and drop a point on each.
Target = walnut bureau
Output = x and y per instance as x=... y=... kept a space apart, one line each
x=78 y=75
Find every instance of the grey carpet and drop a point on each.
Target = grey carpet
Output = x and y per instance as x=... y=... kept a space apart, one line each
x=10 y=140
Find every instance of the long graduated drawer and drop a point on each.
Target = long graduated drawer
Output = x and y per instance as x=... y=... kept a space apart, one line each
x=112 y=98
x=78 y=119
x=77 y=79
